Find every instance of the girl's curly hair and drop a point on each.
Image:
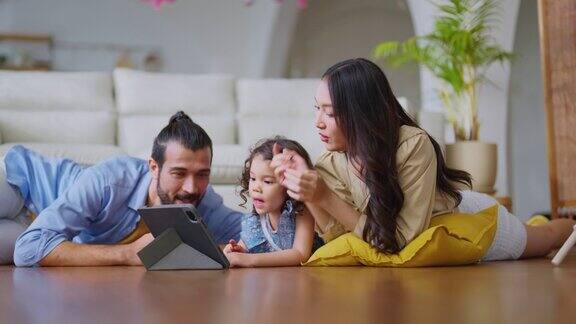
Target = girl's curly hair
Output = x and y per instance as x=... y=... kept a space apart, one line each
x=264 y=149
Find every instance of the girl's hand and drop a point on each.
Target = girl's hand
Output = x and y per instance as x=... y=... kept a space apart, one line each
x=238 y=260
x=227 y=249
x=233 y=246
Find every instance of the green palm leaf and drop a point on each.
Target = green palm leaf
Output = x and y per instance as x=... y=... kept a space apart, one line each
x=458 y=51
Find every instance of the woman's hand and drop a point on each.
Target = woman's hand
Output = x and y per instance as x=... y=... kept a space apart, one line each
x=303 y=186
x=293 y=172
x=286 y=159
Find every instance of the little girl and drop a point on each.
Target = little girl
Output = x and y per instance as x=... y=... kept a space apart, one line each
x=279 y=231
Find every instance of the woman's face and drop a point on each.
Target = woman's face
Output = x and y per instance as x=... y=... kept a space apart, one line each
x=329 y=132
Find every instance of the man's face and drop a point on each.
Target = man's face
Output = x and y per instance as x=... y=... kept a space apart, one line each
x=185 y=175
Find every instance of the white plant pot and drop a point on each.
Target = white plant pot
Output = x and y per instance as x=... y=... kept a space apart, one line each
x=477 y=158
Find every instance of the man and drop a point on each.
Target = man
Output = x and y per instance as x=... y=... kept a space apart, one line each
x=88 y=216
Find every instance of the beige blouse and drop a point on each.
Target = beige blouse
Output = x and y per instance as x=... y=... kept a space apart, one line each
x=416 y=165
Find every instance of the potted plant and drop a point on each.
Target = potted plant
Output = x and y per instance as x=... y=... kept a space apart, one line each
x=458 y=51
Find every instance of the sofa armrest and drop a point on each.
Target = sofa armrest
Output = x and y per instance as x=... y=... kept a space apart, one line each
x=433 y=123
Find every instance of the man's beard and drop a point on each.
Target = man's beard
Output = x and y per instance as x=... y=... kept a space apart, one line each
x=186 y=198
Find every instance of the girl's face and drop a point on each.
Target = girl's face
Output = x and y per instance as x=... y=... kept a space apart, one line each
x=329 y=132
x=267 y=194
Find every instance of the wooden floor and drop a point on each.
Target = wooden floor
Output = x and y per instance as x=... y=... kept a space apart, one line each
x=530 y=291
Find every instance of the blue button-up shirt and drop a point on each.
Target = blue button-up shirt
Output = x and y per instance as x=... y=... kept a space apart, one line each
x=96 y=204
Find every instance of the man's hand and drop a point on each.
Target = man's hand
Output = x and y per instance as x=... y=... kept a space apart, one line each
x=136 y=246
x=73 y=254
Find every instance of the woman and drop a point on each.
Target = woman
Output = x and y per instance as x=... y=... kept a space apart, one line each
x=384 y=178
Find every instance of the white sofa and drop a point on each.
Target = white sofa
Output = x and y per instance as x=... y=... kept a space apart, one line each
x=90 y=116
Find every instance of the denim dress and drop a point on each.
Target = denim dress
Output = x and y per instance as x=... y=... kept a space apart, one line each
x=259 y=237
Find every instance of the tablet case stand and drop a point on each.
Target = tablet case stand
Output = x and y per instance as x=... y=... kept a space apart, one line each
x=168 y=252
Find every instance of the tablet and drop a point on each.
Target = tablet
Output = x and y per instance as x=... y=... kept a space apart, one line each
x=187 y=223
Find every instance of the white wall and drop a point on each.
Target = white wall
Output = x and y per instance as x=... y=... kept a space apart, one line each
x=5 y=14
x=280 y=39
x=330 y=31
x=527 y=150
x=493 y=100
x=199 y=36
x=192 y=35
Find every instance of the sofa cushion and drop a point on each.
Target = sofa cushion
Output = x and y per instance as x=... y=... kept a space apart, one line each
x=268 y=107
x=146 y=101
x=60 y=107
x=451 y=239
x=228 y=164
x=136 y=133
x=87 y=154
x=231 y=198
x=42 y=91
x=96 y=127
x=433 y=123
x=300 y=129
x=140 y=92
x=274 y=97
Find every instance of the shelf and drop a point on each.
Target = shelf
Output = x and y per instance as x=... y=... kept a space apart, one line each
x=26 y=68
x=26 y=38
x=30 y=61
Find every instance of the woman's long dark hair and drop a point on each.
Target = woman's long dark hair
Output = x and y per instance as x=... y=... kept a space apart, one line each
x=370 y=117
